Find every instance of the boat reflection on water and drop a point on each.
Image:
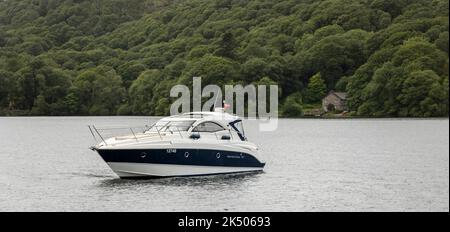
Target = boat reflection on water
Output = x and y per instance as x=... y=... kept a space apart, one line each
x=198 y=181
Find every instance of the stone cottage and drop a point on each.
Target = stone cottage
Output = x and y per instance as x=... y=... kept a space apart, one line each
x=335 y=101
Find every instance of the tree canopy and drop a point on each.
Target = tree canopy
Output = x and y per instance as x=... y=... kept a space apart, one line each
x=107 y=57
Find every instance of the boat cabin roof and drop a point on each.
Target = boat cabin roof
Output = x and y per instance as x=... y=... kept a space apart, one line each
x=225 y=120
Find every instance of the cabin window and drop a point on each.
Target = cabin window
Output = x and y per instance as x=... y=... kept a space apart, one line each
x=208 y=127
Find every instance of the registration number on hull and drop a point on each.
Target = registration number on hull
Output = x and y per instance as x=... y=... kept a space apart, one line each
x=168 y=151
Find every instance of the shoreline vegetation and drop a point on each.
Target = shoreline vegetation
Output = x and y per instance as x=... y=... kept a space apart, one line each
x=122 y=57
x=329 y=116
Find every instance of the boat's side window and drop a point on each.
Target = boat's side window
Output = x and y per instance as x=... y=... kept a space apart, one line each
x=208 y=127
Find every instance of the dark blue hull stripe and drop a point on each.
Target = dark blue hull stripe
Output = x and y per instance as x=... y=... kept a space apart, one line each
x=182 y=157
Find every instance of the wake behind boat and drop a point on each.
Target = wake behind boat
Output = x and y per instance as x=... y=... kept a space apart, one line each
x=191 y=144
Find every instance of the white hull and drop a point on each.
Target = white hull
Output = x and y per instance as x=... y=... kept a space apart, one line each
x=130 y=170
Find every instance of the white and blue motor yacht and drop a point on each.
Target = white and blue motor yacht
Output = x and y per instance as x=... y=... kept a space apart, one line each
x=190 y=144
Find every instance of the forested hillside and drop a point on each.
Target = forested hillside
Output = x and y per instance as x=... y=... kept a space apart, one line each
x=108 y=57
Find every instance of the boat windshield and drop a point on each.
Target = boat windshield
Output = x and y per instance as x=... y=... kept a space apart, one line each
x=239 y=128
x=172 y=125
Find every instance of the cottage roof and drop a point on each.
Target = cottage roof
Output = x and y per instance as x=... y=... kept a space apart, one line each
x=341 y=95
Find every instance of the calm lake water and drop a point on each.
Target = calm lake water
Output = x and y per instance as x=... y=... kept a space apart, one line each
x=312 y=165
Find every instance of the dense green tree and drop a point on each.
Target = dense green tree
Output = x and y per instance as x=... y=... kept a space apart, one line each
x=40 y=106
x=227 y=46
x=99 y=91
x=130 y=71
x=292 y=106
x=72 y=102
x=315 y=90
x=442 y=41
x=122 y=57
x=212 y=69
x=254 y=69
x=400 y=85
x=3 y=40
x=142 y=92
x=163 y=107
x=423 y=95
x=7 y=88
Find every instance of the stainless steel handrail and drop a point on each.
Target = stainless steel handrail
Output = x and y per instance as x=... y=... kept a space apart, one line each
x=96 y=131
x=133 y=134
x=179 y=132
x=146 y=132
x=92 y=133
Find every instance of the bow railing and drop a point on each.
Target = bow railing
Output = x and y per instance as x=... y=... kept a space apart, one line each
x=140 y=133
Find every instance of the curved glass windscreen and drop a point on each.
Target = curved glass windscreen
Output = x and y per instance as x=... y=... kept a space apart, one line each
x=172 y=126
x=239 y=128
